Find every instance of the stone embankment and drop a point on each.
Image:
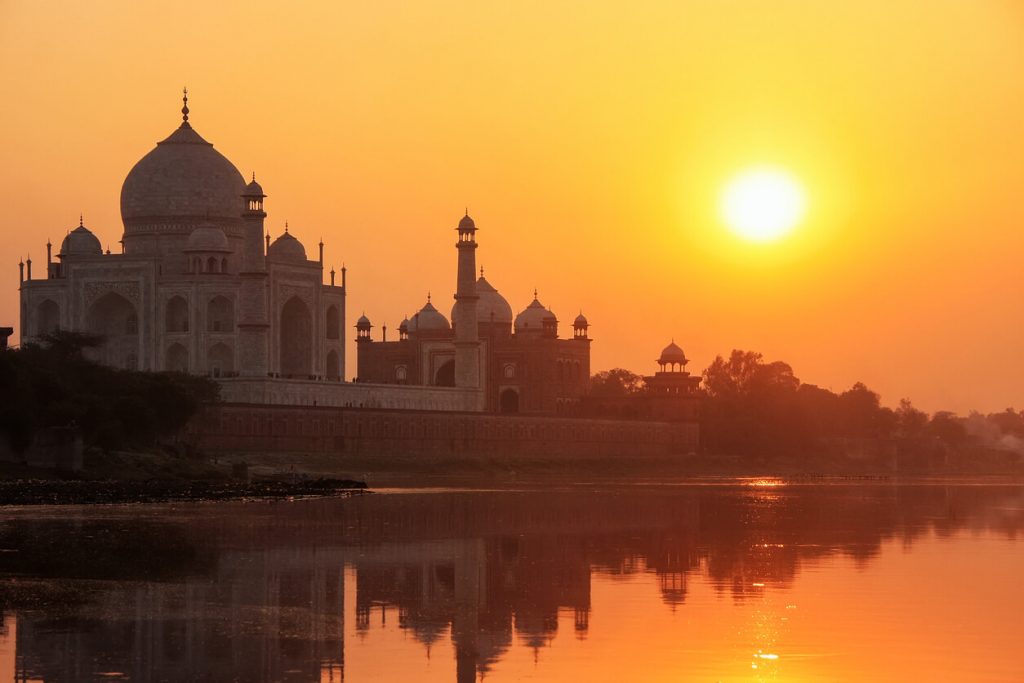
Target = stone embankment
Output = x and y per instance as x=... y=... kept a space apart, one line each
x=77 y=492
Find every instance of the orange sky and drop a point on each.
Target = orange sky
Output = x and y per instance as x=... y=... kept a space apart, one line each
x=590 y=143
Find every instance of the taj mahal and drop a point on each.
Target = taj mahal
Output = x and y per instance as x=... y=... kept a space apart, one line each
x=199 y=286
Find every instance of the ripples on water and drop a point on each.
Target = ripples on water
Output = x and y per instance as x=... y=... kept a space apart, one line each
x=757 y=581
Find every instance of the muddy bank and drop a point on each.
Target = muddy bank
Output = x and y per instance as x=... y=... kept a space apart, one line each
x=57 y=492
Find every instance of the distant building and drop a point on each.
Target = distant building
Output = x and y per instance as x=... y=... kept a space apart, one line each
x=521 y=365
x=669 y=395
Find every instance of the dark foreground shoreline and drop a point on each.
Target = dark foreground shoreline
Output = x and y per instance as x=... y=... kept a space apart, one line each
x=110 y=492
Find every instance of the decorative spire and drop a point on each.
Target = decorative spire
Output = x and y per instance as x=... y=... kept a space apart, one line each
x=80 y=221
x=184 y=109
x=428 y=297
x=534 y=293
x=481 y=271
x=254 y=176
x=286 y=226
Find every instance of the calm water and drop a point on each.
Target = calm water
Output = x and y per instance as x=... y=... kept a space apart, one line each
x=749 y=581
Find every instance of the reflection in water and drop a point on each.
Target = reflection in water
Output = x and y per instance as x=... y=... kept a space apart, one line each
x=468 y=585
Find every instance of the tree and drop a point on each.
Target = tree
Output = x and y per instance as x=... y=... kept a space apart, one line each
x=53 y=384
x=616 y=382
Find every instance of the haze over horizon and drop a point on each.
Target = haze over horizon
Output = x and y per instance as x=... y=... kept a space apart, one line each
x=591 y=150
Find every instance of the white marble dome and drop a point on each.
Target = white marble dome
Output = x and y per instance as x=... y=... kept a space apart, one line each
x=80 y=242
x=287 y=248
x=181 y=180
x=428 y=318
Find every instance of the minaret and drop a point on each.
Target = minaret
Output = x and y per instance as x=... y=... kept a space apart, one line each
x=467 y=334
x=253 y=325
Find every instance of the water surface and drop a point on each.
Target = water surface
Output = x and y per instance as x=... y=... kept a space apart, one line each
x=749 y=580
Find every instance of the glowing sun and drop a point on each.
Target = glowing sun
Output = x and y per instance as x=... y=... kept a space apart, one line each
x=763 y=204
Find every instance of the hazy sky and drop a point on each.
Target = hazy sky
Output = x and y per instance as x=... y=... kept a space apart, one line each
x=590 y=143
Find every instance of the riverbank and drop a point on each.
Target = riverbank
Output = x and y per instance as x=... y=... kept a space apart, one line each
x=96 y=492
x=539 y=468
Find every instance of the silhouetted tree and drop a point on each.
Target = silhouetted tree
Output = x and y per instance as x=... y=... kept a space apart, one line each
x=616 y=382
x=51 y=382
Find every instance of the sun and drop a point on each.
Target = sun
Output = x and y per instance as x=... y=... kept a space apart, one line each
x=763 y=204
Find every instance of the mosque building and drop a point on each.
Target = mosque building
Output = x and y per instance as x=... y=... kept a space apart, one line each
x=521 y=365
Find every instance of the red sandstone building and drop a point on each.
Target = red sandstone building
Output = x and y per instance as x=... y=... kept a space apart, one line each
x=524 y=367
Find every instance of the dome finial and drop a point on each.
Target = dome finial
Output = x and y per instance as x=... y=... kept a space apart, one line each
x=80 y=221
x=481 y=271
x=428 y=297
x=254 y=176
x=534 y=293
x=286 y=226
x=184 y=109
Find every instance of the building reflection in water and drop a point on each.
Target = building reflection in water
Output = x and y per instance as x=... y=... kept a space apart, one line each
x=257 y=592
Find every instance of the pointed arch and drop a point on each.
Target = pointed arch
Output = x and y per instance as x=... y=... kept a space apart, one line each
x=509 y=401
x=332 y=322
x=220 y=314
x=176 y=315
x=114 y=318
x=445 y=375
x=296 y=339
x=47 y=317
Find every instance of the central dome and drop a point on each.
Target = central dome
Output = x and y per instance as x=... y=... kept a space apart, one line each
x=183 y=180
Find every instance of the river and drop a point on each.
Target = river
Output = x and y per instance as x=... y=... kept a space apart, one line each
x=727 y=580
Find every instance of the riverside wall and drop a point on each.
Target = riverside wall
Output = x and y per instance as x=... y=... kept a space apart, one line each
x=346 y=431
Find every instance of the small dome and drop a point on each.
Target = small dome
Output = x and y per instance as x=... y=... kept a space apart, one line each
x=467 y=223
x=580 y=321
x=533 y=316
x=428 y=318
x=80 y=242
x=404 y=325
x=207 y=237
x=672 y=354
x=254 y=189
x=363 y=323
x=287 y=248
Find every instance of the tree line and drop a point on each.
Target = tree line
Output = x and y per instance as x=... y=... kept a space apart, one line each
x=51 y=382
x=754 y=406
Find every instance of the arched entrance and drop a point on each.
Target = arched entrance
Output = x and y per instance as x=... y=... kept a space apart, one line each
x=176 y=319
x=47 y=317
x=445 y=376
x=296 y=339
x=509 y=400
x=220 y=315
x=114 y=318
x=333 y=322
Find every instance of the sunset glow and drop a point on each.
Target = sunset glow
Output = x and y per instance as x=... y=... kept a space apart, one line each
x=763 y=204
